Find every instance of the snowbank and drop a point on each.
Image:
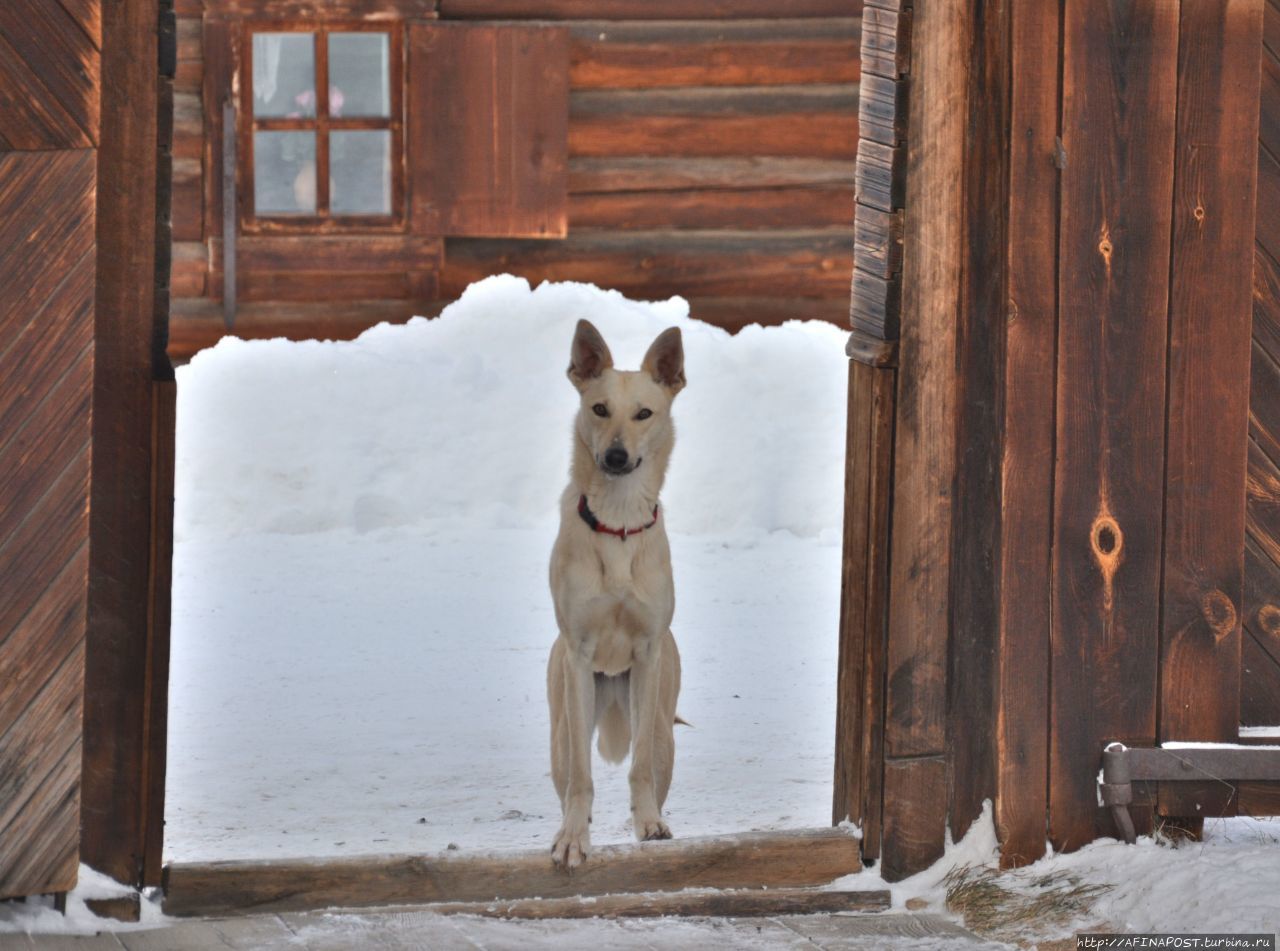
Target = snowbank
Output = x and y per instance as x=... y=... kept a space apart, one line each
x=467 y=417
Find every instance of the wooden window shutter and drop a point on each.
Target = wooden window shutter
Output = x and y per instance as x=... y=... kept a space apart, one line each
x=488 y=117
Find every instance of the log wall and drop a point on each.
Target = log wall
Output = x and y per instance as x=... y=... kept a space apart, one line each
x=711 y=155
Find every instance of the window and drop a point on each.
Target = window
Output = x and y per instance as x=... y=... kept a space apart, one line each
x=321 y=132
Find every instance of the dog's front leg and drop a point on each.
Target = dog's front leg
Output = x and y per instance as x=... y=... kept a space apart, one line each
x=646 y=669
x=573 y=841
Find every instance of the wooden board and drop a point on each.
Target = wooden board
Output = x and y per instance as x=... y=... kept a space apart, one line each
x=637 y=55
x=657 y=264
x=644 y=9
x=118 y=688
x=924 y=449
x=46 y=334
x=1119 y=98
x=792 y=121
x=749 y=860
x=488 y=111
x=745 y=903
x=915 y=816
x=1022 y=677
x=1259 y=684
x=641 y=173
x=739 y=209
x=49 y=67
x=1209 y=346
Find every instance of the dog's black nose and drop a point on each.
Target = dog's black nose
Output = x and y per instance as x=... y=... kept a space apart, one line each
x=616 y=459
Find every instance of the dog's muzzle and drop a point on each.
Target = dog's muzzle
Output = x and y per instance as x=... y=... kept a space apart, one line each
x=617 y=462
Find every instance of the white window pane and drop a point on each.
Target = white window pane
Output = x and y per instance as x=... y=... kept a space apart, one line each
x=284 y=173
x=359 y=75
x=284 y=75
x=360 y=173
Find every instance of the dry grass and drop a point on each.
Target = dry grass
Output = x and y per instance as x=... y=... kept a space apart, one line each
x=1011 y=908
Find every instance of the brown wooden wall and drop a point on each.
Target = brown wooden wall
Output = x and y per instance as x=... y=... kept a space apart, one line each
x=1260 y=676
x=49 y=71
x=711 y=147
x=1069 y=405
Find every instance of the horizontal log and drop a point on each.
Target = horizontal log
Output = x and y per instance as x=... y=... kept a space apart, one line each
x=196 y=323
x=187 y=201
x=877 y=241
x=189 y=269
x=644 y=9
x=882 y=109
x=659 y=264
x=876 y=304
x=718 y=208
x=671 y=174
x=812 y=135
x=713 y=101
x=701 y=53
x=335 y=9
x=346 y=253
x=873 y=351
x=745 y=903
x=750 y=860
x=190 y=67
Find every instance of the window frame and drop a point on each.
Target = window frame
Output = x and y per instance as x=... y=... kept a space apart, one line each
x=323 y=221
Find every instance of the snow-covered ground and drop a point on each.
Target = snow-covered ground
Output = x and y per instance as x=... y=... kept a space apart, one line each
x=361 y=615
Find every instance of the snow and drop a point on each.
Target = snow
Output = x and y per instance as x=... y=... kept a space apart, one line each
x=361 y=613
x=38 y=916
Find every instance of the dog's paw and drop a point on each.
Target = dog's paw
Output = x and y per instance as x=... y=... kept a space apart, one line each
x=650 y=830
x=570 y=847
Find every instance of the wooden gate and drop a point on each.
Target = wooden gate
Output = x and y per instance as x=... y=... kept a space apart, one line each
x=49 y=54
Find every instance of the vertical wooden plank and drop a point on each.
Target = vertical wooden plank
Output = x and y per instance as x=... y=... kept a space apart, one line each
x=980 y=345
x=120 y=514
x=488 y=136
x=1026 y=462
x=1119 y=86
x=848 y=787
x=915 y=815
x=860 y=689
x=925 y=436
x=883 y=391
x=1209 y=345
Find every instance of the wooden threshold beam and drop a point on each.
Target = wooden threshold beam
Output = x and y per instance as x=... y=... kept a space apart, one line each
x=749 y=860
x=739 y=903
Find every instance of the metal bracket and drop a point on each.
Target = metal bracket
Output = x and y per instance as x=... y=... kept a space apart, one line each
x=1223 y=763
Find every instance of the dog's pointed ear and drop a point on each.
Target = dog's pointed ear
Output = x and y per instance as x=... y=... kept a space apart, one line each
x=665 y=360
x=590 y=355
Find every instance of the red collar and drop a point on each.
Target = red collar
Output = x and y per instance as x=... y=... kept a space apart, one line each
x=598 y=526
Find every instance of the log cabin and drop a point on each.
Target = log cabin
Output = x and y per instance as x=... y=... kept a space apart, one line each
x=1062 y=493
x=374 y=157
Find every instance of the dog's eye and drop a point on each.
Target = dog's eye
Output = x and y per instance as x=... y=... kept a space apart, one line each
x=644 y=414
x=600 y=409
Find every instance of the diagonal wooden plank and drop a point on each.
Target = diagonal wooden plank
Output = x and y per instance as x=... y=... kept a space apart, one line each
x=30 y=116
x=87 y=15
x=1262 y=598
x=59 y=52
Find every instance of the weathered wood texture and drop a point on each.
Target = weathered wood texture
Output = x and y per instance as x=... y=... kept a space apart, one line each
x=1260 y=655
x=712 y=118
x=859 y=760
x=123 y=697
x=46 y=338
x=1026 y=460
x=1208 y=398
x=743 y=903
x=751 y=860
x=980 y=350
x=1119 y=76
x=49 y=69
x=489 y=108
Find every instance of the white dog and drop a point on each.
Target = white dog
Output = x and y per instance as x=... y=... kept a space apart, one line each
x=615 y=665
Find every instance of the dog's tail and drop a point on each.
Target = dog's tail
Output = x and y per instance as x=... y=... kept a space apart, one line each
x=613 y=717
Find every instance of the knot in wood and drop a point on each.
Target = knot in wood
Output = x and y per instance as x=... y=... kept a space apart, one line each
x=1219 y=613
x=1269 y=619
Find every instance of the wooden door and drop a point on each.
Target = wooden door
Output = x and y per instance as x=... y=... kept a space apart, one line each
x=49 y=56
